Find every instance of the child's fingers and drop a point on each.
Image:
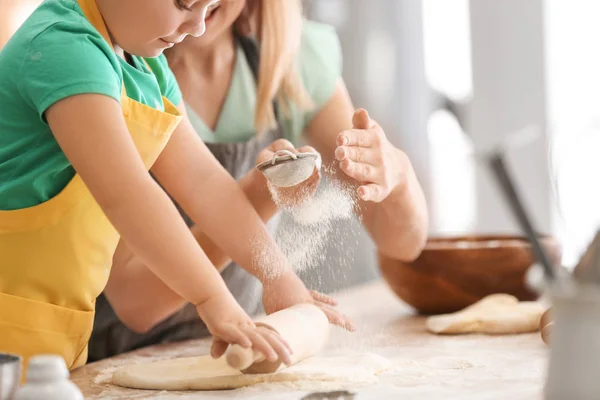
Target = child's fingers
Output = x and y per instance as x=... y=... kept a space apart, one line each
x=218 y=348
x=281 y=347
x=233 y=335
x=286 y=344
x=323 y=298
x=261 y=344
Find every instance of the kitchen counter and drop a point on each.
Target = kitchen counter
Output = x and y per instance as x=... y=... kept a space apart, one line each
x=425 y=366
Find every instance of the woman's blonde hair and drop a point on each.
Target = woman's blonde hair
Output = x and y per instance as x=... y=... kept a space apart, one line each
x=278 y=29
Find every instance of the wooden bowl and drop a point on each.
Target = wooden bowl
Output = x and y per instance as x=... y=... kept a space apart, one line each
x=453 y=273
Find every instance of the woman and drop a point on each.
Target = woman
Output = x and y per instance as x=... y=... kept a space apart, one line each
x=239 y=105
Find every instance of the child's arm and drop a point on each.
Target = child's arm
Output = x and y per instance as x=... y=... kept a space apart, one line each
x=92 y=133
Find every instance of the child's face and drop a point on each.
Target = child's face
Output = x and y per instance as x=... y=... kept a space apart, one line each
x=147 y=27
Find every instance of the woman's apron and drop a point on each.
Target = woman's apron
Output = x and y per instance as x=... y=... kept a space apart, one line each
x=55 y=257
x=111 y=336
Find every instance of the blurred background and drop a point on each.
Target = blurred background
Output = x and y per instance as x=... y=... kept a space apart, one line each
x=451 y=79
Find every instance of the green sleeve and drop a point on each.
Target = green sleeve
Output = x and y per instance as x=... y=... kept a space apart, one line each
x=321 y=63
x=320 y=66
x=166 y=80
x=67 y=60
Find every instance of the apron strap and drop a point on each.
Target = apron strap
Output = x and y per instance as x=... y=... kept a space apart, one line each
x=92 y=14
x=123 y=90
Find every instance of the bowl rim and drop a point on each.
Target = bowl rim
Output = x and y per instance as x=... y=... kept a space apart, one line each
x=449 y=242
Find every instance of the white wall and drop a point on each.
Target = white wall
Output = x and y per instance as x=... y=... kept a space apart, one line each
x=508 y=95
x=573 y=70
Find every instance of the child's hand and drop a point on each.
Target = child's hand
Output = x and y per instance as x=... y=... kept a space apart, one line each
x=291 y=196
x=288 y=290
x=229 y=324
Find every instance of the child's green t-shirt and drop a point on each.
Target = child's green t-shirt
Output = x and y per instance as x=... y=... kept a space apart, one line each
x=56 y=54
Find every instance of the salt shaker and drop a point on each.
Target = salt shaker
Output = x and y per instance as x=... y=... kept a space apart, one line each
x=575 y=343
x=48 y=379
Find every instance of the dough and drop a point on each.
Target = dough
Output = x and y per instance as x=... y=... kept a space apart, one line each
x=495 y=314
x=205 y=373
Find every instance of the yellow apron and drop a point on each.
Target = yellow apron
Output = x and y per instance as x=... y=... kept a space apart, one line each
x=55 y=257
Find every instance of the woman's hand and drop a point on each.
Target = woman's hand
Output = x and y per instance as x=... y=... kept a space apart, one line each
x=287 y=197
x=367 y=156
x=288 y=290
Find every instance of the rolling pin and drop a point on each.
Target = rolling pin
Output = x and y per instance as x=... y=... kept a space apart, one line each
x=304 y=326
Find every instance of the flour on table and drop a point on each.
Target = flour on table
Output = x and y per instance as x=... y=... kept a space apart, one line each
x=205 y=373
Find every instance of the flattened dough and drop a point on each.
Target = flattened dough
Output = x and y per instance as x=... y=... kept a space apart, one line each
x=205 y=373
x=494 y=314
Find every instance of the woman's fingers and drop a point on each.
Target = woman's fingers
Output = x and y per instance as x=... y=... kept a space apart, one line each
x=372 y=192
x=360 y=155
x=323 y=298
x=278 y=145
x=281 y=144
x=360 y=172
x=306 y=149
x=337 y=318
x=359 y=137
x=362 y=120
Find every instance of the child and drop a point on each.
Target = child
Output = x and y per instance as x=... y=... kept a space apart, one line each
x=87 y=107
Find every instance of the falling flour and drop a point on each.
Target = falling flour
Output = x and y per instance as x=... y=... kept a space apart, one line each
x=309 y=226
